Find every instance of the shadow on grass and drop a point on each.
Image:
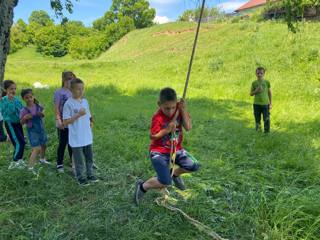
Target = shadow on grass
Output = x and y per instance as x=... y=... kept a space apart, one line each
x=235 y=192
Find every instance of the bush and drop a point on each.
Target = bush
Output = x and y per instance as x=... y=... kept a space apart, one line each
x=87 y=47
x=52 y=41
x=115 y=31
x=18 y=36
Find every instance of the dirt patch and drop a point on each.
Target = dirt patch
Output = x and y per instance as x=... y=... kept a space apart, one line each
x=173 y=33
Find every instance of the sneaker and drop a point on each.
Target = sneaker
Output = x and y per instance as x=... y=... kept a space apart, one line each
x=44 y=161
x=60 y=169
x=93 y=179
x=138 y=194
x=21 y=164
x=13 y=165
x=83 y=182
x=178 y=182
x=32 y=170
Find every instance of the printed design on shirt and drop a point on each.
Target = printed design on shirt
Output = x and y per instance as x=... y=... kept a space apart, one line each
x=166 y=140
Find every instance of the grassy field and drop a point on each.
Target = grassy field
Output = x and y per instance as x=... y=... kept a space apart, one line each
x=250 y=186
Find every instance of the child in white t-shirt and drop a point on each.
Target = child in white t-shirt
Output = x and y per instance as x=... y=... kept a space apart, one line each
x=76 y=114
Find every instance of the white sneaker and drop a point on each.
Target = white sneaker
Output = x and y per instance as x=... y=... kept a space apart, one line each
x=60 y=169
x=44 y=161
x=21 y=164
x=31 y=169
x=13 y=165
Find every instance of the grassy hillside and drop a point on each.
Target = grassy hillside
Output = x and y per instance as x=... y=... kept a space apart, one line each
x=250 y=186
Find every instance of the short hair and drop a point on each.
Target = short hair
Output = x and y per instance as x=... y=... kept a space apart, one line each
x=167 y=94
x=75 y=81
x=261 y=69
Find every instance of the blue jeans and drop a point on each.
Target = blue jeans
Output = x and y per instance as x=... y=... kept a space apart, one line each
x=161 y=164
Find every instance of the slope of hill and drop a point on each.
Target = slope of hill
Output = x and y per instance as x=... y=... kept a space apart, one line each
x=250 y=186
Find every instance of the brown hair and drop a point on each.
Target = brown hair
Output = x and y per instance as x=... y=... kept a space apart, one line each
x=75 y=82
x=67 y=75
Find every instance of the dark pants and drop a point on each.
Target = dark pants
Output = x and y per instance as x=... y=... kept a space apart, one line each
x=3 y=136
x=15 y=133
x=264 y=110
x=83 y=157
x=63 y=135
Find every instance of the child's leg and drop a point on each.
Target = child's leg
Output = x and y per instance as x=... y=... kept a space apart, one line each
x=16 y=135
x=63 y=141
x=78 y=162
x=87 y=150
x=11 y=134
x=152 y=183
x=160 y=164
x=43 y=151
x=266 y=118
x=3 y=136
x=33 y=158
x=257 y=115
x=186 y=163
x=20 y=136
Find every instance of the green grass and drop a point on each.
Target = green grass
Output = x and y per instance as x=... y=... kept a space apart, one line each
x=250 y=186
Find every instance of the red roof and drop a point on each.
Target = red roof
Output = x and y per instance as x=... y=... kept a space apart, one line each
x=251 y=4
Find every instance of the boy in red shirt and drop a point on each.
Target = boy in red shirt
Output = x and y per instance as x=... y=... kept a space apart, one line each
x=166 y=123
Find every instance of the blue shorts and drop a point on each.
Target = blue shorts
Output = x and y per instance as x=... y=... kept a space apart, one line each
x=161 y=163
x=37 y=138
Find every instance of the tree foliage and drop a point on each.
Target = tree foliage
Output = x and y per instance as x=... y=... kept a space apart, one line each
x=193 y=14
x=19 y=36
x=52 y=41
x=138 y=10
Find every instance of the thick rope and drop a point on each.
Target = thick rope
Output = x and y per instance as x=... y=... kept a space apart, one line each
x=163 y=202
x=193 y=51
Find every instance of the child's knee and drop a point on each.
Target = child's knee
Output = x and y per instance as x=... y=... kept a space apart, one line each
x=166 y=182
x=192 y=168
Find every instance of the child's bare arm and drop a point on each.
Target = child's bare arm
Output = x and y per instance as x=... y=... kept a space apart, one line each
x=171 y=127
x=255 y=91
x=71 y=120
x=25 y=118
x=270 y=98
x=58 y=116
x=186 y=120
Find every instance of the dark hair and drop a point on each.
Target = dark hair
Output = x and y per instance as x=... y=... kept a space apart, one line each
x=75 y=82
x=67 y=75
x=24 y=92
x=261 y=69
x=6 y=84
x=167 y=94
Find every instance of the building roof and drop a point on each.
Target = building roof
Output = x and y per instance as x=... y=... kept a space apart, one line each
x=251 y=4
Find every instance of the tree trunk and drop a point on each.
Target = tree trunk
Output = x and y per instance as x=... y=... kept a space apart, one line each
x=6 y=21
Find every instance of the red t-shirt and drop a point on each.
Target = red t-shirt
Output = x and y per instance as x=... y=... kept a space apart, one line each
x=159 y=122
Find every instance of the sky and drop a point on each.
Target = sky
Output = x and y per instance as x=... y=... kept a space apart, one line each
x=89 y=10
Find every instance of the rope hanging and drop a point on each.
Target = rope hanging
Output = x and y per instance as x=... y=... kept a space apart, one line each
x=193 y=51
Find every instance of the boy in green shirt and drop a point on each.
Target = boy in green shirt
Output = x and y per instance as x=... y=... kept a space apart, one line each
x=261 y=90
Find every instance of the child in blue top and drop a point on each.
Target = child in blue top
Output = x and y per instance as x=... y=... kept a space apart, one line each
x=32 y=115
x=10 y=107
